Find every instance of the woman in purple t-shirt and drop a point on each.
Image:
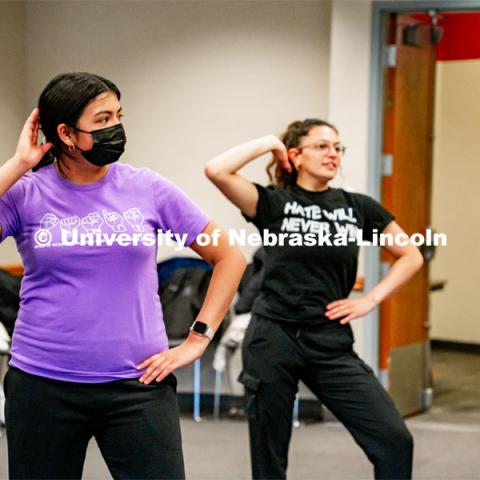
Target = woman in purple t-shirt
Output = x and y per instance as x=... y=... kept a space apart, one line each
x=90 y=355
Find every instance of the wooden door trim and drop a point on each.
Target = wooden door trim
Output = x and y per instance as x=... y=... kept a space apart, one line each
x=380 y=11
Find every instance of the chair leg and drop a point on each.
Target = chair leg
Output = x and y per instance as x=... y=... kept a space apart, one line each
x=2 y=410
x=196 y=391
x=3 y=370
x=296 y=408
x=216 y=398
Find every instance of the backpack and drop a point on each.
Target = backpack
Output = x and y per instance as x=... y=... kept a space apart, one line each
x=181 y=297
x=183 y=284
x=9 y=299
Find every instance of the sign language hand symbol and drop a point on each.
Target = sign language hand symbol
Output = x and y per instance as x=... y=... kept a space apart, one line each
x=92 y=222
x=134 y=217
x=114 y=221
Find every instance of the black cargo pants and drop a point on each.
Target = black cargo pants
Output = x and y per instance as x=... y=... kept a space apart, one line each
x=277 y=355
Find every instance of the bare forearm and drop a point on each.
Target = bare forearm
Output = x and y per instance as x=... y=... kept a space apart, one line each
x=223 y=284
x=226 y=276
x=10 y=172
x=400 y=272
x=235 y=158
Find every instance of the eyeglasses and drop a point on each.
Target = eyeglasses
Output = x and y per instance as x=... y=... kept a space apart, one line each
x=325 y=147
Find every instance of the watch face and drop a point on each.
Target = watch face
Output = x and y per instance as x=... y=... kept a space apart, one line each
x=200 y=327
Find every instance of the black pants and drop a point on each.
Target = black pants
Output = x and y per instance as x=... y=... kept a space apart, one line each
x=49 y=424
x=277 y=355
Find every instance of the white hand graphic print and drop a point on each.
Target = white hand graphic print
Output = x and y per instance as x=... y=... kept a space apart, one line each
x=70 y=223
x=114 y=221
x=92 y=222
x=48 y=221
x=135 y=218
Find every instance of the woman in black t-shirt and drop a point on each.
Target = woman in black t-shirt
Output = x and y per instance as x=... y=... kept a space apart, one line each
x=300 y=320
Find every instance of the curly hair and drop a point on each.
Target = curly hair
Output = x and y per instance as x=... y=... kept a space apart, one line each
x=291 y=139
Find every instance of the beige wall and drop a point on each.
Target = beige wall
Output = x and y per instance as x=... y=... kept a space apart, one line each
x=455 y=310
x=348 y=109
x=12 y=92
x=349 y=84
x=197 y=77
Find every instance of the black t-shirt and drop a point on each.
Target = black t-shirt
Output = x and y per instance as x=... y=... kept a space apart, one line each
x=306 y=273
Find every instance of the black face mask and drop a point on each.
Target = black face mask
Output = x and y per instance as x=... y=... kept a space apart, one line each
x=108 y=145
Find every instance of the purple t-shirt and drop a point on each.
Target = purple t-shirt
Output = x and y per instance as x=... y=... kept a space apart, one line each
x=89 y=309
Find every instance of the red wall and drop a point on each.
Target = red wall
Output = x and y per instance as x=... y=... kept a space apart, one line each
x=461 y=36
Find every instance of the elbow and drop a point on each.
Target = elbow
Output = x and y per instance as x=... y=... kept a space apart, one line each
x=418 y=260
x=242 y=261
x=239 y=262
x=238 y=258
x=210 y=171
x=242 y=266
x=232 y=256
x=215 y=173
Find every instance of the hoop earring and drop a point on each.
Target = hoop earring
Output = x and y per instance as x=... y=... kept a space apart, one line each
x=71 y=148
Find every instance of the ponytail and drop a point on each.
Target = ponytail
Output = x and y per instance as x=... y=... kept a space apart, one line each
x=291 y=139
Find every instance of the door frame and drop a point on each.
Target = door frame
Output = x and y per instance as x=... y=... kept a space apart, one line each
x=379 y=16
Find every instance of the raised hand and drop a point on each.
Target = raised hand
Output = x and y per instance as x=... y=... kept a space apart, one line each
x=114 y=221
x=28 y=152
x=70 y=223
x=280 y=151
x=135 y=218
x=48 y=221
x=92 y=222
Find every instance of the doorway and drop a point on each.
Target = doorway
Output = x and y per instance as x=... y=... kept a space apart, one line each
x=410 y=71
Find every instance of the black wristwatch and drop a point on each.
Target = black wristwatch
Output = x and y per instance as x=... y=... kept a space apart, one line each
x=203 y=329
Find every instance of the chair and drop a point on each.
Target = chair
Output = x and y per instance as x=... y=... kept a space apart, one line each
x=296 y=410
x=227 y=358
x=197 y=368
x=183 y=283
x=4 y=354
